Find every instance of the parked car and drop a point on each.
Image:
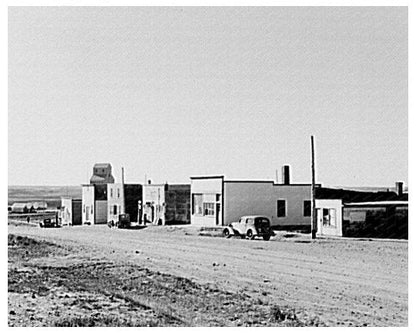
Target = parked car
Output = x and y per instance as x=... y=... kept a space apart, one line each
x=124 y=223
x=51 y=223
x=250 y=227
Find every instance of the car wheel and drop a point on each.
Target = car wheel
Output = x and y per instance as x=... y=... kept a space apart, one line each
x=266 y=237
x=250 y=234
x=226 y=233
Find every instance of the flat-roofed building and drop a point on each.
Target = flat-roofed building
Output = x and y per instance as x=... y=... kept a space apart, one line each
x=166 y=203
x=216 y=201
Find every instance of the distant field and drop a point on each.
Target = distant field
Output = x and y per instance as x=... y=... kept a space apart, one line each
x=50 y=194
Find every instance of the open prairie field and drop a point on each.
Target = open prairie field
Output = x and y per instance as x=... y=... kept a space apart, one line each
x=50 y=194
x=174 y=276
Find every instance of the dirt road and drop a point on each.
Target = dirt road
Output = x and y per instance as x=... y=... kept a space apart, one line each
x=343 y=282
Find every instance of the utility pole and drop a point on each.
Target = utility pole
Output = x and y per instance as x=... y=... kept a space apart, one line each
x=314 y=225
x=123 y=205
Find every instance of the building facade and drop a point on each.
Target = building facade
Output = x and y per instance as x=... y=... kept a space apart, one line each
x=115 y=204
x=216 y=201
x=124 y=199
x=71 y=211
x=166 y=203
x=329 y=217
x=348 y=213
x=88 y=204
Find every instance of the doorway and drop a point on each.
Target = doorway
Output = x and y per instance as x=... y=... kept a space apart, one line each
x=217 y=213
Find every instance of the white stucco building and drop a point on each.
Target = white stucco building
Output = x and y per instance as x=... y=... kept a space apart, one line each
x=329 y=217
x=94 y=204
x=216 y=201
x=88 y=209
x=115 y=203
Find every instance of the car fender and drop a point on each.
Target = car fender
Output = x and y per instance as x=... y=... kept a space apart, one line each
x=237 y=229
x=230 y=229
x=254 y=231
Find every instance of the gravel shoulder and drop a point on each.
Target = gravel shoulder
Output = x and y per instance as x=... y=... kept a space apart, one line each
x=228 y=282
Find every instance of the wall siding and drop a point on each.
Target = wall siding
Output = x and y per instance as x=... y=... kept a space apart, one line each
x=260 y=198
x=101 y=212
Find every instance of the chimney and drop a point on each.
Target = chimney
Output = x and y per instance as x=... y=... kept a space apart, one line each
x=399 y=188
x=286 y=175
x=149 y=181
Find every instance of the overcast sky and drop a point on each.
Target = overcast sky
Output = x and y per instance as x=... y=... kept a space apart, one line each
x=174 y=92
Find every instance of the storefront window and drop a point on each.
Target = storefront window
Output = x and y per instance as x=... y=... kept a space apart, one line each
x=196 y=204
x=209 y=208
x=328 y=217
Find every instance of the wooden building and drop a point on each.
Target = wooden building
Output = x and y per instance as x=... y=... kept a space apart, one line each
x=71 y=211
x=166 y=203
x=124 y=199
x=102 y=174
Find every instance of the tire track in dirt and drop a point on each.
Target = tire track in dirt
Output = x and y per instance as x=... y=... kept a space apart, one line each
x=293 y=272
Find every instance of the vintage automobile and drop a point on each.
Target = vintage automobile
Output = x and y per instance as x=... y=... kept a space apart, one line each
x=51 y=222
x=250 y=227
x=124 y=223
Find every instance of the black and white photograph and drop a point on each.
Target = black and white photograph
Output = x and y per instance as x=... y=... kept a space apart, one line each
x=207 y=166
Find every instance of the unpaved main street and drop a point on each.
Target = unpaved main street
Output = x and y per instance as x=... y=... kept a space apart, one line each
x=342 y=282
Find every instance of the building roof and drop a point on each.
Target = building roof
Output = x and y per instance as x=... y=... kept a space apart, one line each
x=356 y=196
x=266 y=181
x=95 y=178
x=71 y=198
x=102 y=165
x=207 y=177
x=378 y=203
x=19 y=205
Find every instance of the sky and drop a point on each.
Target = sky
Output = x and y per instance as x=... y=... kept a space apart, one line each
x=171 y=92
